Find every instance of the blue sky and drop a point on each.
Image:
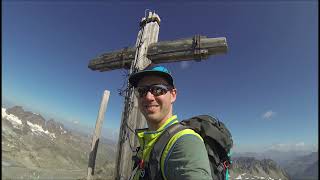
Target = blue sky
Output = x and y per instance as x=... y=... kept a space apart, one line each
x=264 y=89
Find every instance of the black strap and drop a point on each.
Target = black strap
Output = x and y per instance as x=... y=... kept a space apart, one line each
x=154 y=167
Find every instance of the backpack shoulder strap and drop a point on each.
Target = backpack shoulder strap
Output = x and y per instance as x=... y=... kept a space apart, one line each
x=153 y=167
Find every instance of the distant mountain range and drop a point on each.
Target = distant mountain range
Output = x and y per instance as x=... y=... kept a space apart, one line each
x=299 y=165
x=251 y=168
x=303 y=167
x=25 y=121
x=34 y=148
x=281 y=157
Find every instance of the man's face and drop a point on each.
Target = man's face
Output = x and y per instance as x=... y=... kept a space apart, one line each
x=156 y=109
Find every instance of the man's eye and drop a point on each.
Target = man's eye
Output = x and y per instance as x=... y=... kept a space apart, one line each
x=159 y=91
x=141 y=90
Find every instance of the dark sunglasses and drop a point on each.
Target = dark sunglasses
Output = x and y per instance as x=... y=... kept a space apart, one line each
x=155 y=89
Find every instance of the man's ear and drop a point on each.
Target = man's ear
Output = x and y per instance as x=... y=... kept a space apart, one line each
x=173 y=94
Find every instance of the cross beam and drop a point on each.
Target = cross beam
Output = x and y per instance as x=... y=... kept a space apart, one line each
x=198 y=47
x=146 y=51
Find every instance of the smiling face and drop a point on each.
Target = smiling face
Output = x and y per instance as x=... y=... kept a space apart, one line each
x=156 y=109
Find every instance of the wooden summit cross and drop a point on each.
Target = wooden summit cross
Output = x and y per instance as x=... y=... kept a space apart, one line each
x=146 y=51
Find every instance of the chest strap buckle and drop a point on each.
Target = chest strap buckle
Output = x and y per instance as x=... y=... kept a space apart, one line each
x=141 y=164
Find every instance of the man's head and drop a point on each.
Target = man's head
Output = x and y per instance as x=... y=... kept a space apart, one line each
x=155 y=91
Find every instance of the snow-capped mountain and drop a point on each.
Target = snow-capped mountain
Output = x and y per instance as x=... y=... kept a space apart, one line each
x=34 y=148
x=25 y=120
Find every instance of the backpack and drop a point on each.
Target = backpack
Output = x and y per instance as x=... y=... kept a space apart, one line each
x=217 y=140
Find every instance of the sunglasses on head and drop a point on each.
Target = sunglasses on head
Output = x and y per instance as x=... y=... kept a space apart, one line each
x=155 y=89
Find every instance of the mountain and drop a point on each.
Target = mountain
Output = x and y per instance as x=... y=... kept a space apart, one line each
x=24 y=120
x=299 y=165
x=312 y=170
x=281 y=157
x=111 y=134
x=34 y=148
x=303 y=167
x=251 y=168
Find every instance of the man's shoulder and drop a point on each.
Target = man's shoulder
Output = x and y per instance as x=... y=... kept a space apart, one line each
x=188 y=144
x=187 y=158
x=187 y=141
x=184 y=142
x=185 y=135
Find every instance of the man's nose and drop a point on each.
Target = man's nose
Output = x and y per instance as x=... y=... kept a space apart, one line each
x=149 y=96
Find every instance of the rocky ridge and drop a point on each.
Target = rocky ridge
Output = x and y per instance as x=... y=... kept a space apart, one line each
x=249 y=167
x=34 y=148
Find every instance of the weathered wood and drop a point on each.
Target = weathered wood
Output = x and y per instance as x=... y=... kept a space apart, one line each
x=96 y=135
x=114 y=60
x=163 y=52
x=180 y=50
x=131 y=116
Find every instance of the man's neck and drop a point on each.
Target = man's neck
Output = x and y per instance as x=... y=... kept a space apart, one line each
x=154 y=127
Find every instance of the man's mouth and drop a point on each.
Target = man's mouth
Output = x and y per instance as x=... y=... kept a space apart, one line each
x=151 y=107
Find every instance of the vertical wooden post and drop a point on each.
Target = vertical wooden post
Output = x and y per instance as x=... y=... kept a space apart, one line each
x=131 y=116
x=96 y=135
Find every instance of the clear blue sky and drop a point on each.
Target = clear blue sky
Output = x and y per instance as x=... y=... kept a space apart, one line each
x=264 y=89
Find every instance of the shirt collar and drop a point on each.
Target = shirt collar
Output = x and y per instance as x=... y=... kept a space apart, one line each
x=168 y=122
x=165 y=125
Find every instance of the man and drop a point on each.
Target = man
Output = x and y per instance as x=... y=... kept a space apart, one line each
x=185 y=155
